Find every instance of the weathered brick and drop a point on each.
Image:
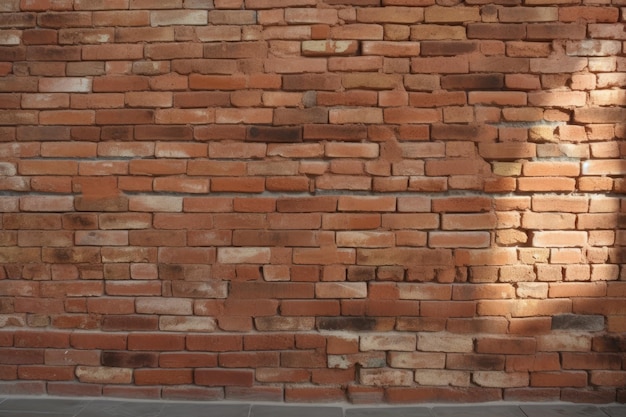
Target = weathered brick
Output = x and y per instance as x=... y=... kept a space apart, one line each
x=443 y=378
x=501 y=379
x=443 y=342
x=389 y=342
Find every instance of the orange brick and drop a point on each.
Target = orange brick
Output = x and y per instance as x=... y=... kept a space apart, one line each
x=439 y=65
x=300 y=65
x=498 y=98
x=357 y=31
x=193 y=186
x=439 y=14
x=592 y=14
x=403 y=115
x=549 y=184
x=560 y=239
x=392 y=49
x=507 y=345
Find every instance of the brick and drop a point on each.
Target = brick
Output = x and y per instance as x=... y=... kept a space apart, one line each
x=162 y=376
x=309 y=16
x=362 y=31
x=243 y=255
x=501 y=379
x=120 y=83
x=284 y=323
x=534 y=363
x=440 y=65
x=250 y=393
x=104 y=375
x=559 y=239
x=298 y=116
x=506 y=345
x=440 y=14
x=591 y=14
x=403 y=115
x=341 y=290
x=443 y=378
x=417 y=360
x=385 y=377
x=548 y=31
x=443 y=342
x=17 y=84
x=390 y=342
x=473 y=81
x=178 y=17
x=125 y=116
x=528 y=14
x=498 y=98
x=547 y=99
x=557 y=65
x=300 y=65
x=504 y=31
x=429 y=394
x=524 y=308
x=532 y=394
x=68 y=84
x=218 y=377
x=272 y=290
x=468 y=221
x=458 y=239
x=329 y=48
x=65 y=19
x=605 y=31
x=608 y=166
x=558 y=379
x=473 y=132
x=592 y=48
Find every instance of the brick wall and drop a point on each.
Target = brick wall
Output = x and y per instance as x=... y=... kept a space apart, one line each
x=313 y=200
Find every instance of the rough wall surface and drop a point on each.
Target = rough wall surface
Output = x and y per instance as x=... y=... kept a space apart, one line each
x=313 y=200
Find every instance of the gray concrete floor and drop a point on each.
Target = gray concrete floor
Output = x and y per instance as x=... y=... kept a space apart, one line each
x=79 y=407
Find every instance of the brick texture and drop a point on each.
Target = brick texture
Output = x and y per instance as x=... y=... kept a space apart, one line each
x=313 y=200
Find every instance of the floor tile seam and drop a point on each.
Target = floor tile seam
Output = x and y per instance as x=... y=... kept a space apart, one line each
x=344 y=407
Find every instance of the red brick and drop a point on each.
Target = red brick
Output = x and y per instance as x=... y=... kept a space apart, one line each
x=46 y=373
x=314 y=394
x=17 y=84
x=45 y=101
x=12 y=101
x=532 y=394
x=218 y=377
x=146 y=341
x=558 y=379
